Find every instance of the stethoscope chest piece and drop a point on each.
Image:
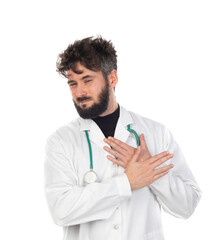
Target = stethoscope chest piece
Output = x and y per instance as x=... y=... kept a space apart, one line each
x=90 y=177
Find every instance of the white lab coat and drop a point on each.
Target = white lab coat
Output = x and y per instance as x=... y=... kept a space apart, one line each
x=108 y=209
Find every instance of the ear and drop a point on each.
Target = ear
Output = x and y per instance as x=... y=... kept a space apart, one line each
x=113 y=78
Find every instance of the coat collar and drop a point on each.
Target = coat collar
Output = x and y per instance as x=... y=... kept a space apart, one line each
x=124 y=119
x=95 y=133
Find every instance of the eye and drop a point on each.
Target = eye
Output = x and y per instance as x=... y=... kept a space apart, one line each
x=88 y=80
x=72 y=84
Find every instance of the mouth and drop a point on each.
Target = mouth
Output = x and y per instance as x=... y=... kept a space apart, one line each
x=83 y=103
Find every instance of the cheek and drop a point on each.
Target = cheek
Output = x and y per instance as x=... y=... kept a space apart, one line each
x=73 y=92
x=96 y=90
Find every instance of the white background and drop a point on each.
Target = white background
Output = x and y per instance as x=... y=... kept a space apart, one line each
x=168 y=67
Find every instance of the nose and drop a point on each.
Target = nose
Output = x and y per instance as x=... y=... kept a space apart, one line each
x=80 y=91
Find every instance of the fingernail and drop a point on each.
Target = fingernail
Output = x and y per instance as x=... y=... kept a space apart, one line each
x=171 y=154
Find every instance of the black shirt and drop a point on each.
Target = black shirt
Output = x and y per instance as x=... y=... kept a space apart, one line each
x=108 y=123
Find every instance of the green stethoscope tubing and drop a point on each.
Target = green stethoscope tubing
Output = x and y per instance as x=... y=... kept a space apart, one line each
x=90 y=148
x=135 y=134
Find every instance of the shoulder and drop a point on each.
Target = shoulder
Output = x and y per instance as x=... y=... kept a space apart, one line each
x=154 y=132
x=158 y=131
x=64 y=134
x=147 y=123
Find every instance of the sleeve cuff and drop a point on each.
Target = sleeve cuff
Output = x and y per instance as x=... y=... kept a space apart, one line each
x=123 y=186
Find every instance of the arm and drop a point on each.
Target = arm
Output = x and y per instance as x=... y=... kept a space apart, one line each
x=177 y=192
x=71 y=204
x=175 y=189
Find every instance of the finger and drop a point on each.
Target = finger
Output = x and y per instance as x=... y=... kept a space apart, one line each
x=144 y=146
x=136 y=154
x=114 y=153
x=116 y=146
x=162 y=160
x=160 y=175
x=161 y=170
x=159 y=161
x=118 y=162
x=119 y=143
x=158 y=156
x=142 y=141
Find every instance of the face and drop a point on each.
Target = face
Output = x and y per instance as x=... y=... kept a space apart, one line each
x=90 y=92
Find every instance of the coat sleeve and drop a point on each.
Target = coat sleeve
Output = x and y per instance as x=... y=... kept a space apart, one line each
x=177 y=192
x=70 y=204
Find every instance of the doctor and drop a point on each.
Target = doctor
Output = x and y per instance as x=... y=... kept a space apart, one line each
x=99 y=183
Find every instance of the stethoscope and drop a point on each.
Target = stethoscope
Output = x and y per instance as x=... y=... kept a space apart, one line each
x=90 y=176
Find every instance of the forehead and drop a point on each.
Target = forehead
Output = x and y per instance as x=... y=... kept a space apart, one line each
x=78 y=70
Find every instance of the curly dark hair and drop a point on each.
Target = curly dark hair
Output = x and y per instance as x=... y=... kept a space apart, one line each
x=96 y=54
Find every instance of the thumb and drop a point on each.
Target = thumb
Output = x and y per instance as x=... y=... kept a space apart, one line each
x=144 y=146
x=142 y=141
x=136 y=154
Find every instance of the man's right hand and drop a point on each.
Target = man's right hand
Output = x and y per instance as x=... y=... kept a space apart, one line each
x=142 y=173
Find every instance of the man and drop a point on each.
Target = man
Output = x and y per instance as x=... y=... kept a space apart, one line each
x=99 y=184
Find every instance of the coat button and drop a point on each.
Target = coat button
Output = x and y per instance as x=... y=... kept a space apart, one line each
x=116 y=227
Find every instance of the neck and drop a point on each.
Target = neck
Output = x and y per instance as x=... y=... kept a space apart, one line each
x=112 y=106
x=109 y=110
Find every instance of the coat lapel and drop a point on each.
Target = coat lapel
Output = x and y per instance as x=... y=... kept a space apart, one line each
x=121 y=131
x=94 y=132
x=96 y=135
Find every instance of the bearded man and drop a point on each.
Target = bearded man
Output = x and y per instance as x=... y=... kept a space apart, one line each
x=109 y=172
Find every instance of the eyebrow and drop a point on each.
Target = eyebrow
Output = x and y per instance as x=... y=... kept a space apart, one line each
x=70 y=81
x=84 y=77
x=87 y=76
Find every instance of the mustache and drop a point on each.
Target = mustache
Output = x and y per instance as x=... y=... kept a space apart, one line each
x=80 y=99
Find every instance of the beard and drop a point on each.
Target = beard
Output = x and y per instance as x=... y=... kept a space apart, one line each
x=97 y=108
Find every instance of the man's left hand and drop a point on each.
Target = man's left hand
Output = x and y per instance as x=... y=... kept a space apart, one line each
x=123 y=152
